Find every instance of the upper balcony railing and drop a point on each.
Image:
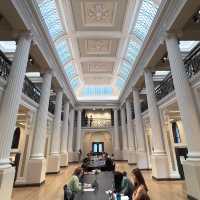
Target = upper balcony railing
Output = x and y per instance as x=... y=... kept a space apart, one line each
x=192 y=62
x=97 y=123
x=165 y=87
x=4 y=66
x=192 y=67
x=29 y=88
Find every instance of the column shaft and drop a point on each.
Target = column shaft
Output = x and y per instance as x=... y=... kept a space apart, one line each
x=138 y=122
x=78 y=136
x=185 y=97
x=116 y=129
x=65 y=128
x=131 y=140
x=124 y=134
x=154 y=115
x=71 y=131
x=12 y=96
x=41 y=120
x=55 y=146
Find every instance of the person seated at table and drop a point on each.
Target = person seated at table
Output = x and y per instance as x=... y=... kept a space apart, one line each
x=109 y=164
x=74 y=183
x=123 y=185
x=140 y=192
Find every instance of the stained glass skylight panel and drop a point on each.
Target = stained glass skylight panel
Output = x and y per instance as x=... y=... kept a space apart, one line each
x=51 y=17
x=97 y=91
x=63 y=51
x=145 y=18
x=132 y=51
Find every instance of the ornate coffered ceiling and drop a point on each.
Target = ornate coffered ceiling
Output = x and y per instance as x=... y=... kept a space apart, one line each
x=102 y=41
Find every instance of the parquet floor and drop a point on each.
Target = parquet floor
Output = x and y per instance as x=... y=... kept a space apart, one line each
x=53 y=188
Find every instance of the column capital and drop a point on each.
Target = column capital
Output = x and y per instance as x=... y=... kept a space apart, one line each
x=26 y=35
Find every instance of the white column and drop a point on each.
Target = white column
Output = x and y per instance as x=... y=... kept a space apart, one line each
x=54 y=158
x=41 y=120
x=124 y=134
x=64 y=140
x=78 y=136
x=130 y=134
x=189 y=116
x=116 y=134
x=71 y=135
x=139 y=131
x=8 y=113
x=159 y=157
x=37 y=162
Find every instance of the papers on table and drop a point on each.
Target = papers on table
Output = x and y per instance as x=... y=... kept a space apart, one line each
x=89 y=189
x=122 y=197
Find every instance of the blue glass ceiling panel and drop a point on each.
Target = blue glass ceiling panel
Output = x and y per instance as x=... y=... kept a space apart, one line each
x=120 y=83
x=145 y=18
x=97 y=91
x=70 y=71
x=124 y=70
x=132 y=51
x=74 y=83
x=63 y=51
x=50 y=15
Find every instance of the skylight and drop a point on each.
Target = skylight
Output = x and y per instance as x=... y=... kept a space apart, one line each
x=97 y=91
x=145 y=18
x=50 y=15
x=140 y=29
x=186 y=46
x=63 y=51
x=8 y=46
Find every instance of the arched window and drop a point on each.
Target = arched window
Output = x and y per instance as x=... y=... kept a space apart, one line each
x=16 y=138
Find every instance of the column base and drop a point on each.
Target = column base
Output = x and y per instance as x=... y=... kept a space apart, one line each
x=142 y=161
x=125 y=154
x=132 y=159
x=192 y=178
x=73 y=157
x=64 y=159
x=7 y=175
x=118 y=154
x=160 y=167
x=36 y=171
x=53 y=164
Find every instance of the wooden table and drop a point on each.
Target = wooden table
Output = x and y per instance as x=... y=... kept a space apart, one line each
x=105 y=182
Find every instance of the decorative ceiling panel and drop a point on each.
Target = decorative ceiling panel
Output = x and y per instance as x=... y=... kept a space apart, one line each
x=98 y=47
x=97 y=67
x=97 y=80
x=98 y=14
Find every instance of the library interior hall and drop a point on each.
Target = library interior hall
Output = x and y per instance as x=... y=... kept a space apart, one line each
x=99 y=99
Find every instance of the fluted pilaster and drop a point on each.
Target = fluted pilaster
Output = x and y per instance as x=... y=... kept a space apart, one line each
x=116 y=129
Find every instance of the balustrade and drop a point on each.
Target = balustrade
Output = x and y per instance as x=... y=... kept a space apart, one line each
x=97 y=123
x=192 y=62
x=4 y=66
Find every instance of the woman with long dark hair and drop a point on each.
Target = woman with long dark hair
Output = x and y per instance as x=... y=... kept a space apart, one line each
x=141 y=189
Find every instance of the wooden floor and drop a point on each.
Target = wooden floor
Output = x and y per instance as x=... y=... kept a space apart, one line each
x=53 y=188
